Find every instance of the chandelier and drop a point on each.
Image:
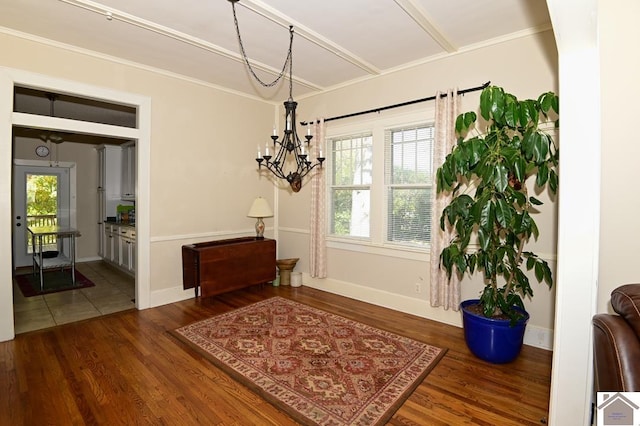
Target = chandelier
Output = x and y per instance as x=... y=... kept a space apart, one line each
x=290 y=149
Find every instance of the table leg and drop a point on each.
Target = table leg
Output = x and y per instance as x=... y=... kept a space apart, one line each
x=41 y=261
x=73 y=259
x=33 y=254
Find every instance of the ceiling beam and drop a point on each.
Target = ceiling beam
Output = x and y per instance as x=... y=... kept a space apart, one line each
x=285 y=21
x=420 y=16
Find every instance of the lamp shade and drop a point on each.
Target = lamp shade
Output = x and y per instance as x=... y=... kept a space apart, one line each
x=260 y=208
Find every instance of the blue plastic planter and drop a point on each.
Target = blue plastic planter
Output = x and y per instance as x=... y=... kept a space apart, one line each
x=492 y=340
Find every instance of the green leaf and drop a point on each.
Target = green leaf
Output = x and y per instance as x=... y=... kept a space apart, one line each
x=529 y=117
x=498 y=104
x=460 y=124
x=520 y=198
x=531 y=261
x=545 y=101
x=461 y=264
x=483 y=238
x=548 y=278
x=542 y=146
x=485 y=103
x=539 y=270
x=534 y=228
x=522 y=224
x=440 y=183
x=501 y=177
x=520 y=169
x=464 y=122
x=553 y=181
x=503 y=213
x=448 y=258
x=535 y=201
x=477 y=149
x=543 y=175
x=511 y=114
x=537 y=153
x=527 y=144
x=471 y=263
x=486 y=213
x=485 y=172
x=469 y=119
x=555 y=103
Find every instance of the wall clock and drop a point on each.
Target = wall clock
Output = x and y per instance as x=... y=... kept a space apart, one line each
x=42 y=151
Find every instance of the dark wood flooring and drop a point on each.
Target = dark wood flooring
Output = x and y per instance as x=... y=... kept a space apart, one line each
x=125 y=369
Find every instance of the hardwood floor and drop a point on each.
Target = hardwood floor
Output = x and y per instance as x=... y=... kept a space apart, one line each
x=125 y=368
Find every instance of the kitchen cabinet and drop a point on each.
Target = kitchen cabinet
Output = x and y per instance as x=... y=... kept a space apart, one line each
x=128 y=176
x=109 y=186
x=127 y=244
x=112 y=244
x=107 y=252
x=109 y=170
x=115 y=237
x=120 y=247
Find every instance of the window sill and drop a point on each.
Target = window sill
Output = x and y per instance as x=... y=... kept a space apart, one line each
x=389 y=250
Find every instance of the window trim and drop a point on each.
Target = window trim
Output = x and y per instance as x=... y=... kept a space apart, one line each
x=377 y=126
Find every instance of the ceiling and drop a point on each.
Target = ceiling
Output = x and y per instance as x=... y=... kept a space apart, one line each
x=336 y=42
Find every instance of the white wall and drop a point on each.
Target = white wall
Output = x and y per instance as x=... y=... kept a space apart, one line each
x=525 y=67
x=620 y=87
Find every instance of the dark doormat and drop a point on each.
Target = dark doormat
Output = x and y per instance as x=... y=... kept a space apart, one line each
x=54 y=281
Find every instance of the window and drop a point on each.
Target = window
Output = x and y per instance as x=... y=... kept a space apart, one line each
x=379 y=179
x=351 y=179
x=408 y=178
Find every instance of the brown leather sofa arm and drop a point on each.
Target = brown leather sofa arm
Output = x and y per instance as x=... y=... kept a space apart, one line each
x=616 y=355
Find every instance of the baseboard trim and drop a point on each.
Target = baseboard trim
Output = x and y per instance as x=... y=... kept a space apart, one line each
x=169 y=295
x=538 y=337
x=535 y=336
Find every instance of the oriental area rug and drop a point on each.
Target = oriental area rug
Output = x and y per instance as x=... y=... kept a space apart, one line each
x=320 y=368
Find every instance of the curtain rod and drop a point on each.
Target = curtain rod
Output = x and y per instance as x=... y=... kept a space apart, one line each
x=430 y=98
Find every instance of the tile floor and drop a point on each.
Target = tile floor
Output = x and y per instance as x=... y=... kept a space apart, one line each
x=114 y=291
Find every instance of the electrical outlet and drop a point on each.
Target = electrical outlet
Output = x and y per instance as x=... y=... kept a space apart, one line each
x=418 y=288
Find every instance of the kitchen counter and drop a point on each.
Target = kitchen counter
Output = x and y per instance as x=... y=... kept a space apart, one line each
x=121 y=223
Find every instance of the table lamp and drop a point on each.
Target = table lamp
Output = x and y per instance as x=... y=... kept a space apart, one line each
x=259 y=209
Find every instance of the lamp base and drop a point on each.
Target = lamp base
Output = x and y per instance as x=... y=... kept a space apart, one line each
x=259 y=228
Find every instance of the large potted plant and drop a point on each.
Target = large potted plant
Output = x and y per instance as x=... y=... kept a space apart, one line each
x=493 y=173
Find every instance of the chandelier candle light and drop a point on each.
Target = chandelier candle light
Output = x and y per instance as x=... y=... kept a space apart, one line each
x=290 y=146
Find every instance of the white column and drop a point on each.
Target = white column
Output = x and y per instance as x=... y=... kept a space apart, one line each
x=575 y=28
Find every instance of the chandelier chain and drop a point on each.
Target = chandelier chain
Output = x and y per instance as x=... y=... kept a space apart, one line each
x=246 y=59
x=290 y=150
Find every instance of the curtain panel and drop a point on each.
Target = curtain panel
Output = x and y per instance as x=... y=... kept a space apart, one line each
x=443 y=292
x=318 y=226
